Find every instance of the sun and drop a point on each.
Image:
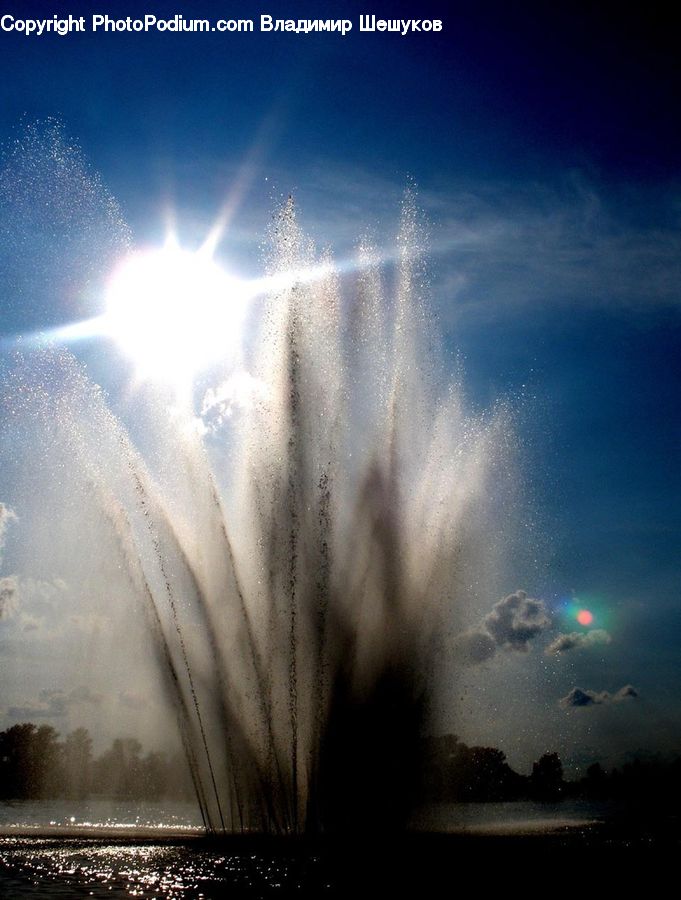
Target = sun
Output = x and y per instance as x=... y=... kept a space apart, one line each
x=174 y=312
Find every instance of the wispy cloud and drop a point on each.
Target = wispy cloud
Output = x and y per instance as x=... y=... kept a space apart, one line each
x=132 y=699
x=503 y=248
x=506 y=249
x=577 y=640
x=54 y=704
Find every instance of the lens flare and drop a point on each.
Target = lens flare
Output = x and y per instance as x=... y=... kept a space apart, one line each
x=585 y=617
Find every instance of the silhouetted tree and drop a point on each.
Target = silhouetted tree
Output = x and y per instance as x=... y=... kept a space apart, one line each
x=154 y=777
x=29 y=761
x=595 y=785
x=16 y=760
x=47 y=759
x=441 y=762
x=77 y=755
x=34 y=764
x=118 y=771
x=482 y=774
x=456 y=772
x=546 y=780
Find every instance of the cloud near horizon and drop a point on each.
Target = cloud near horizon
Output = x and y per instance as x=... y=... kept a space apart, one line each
x=579 y=698
x=577 y=640
x=54 y=704
x=512 y=623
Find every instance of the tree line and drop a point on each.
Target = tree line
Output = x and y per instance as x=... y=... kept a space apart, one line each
x=455 y=772
x=35 y=764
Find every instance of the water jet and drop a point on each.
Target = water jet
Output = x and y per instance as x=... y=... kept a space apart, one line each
x=293 y=567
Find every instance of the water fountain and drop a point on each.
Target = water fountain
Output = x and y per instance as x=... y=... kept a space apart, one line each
x=296 y=571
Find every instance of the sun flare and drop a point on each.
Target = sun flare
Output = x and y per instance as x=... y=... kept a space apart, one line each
x=174 y=312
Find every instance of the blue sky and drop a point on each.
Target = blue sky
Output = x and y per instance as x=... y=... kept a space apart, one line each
x=544 y=142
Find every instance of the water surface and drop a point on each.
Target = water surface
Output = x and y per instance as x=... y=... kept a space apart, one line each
x=106 y=849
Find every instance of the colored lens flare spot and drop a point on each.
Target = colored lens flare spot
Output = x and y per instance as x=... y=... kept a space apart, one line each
x=585 y=617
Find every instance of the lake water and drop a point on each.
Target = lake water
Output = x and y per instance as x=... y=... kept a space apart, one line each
x=523 y=817
x=99 y=815
x=179 y=819
x=105 y=849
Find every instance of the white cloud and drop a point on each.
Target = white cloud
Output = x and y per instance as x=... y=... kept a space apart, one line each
x=239 y=391
x=9 y=589
x=7 y=515
x=40 y=602
x=45 y=608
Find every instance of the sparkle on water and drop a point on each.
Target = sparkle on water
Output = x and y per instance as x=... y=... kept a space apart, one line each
x=105 y=869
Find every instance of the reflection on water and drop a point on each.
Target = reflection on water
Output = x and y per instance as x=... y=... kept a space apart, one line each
x=36 y=868
x=183 y=819
x=511 y=818
x=109 y=853
x=104 y=848
x=109 y=815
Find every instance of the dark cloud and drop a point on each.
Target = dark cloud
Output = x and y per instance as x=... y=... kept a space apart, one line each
x=512 y=624
x=474 y=647
x=578 y=697
x=577 y=640
x=515 y=620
